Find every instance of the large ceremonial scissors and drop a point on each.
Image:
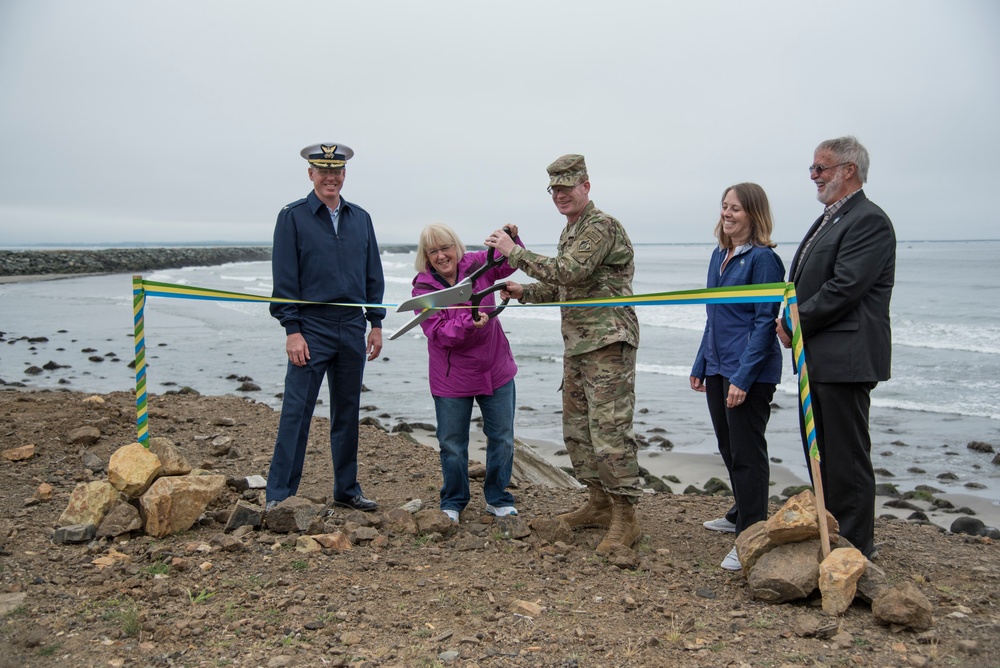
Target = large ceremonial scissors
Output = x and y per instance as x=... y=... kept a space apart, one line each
x=459 y=293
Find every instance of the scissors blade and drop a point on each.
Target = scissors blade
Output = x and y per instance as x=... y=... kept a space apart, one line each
x=456 y=294
x=416 y=320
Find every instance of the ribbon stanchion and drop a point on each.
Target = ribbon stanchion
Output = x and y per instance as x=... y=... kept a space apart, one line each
x=805 y=402
x=138 y=304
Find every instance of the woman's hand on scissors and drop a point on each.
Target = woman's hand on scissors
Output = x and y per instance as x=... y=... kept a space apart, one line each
x=482 y=320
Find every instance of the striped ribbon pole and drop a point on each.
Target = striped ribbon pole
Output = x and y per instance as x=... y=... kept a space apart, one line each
x=805 y=401
x=138 y=303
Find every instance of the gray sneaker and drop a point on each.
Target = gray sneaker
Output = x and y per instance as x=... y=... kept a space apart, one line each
x=732 y=561
x=721 y=524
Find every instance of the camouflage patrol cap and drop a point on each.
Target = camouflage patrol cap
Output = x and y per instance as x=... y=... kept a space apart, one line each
x=327 y=156
x=568 y=170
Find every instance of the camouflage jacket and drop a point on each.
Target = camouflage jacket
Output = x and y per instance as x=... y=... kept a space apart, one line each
x=594 y=259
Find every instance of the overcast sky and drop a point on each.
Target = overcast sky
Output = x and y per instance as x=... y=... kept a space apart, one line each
x=182 y=121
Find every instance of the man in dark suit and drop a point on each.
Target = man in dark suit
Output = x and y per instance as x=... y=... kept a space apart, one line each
x=843 y=272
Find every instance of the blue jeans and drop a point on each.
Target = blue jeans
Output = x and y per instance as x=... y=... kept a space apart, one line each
x=454 y=416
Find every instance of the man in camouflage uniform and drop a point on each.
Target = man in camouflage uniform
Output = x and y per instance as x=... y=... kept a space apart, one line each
x=594 y=260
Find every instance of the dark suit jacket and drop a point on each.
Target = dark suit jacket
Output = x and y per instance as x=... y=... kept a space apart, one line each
x=843 y=284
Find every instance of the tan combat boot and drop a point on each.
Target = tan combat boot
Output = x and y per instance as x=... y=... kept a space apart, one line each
x=624 y=528
x=595 y=513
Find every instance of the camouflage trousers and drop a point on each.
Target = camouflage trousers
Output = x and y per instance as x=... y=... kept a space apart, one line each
x=598 y=402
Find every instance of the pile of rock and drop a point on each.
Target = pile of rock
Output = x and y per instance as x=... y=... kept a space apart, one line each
x=153 y=489
x=782 y=560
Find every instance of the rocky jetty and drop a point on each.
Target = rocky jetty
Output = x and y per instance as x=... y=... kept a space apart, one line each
x=123 y=260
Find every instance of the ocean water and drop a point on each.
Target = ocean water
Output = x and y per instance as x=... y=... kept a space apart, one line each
x=944 y=391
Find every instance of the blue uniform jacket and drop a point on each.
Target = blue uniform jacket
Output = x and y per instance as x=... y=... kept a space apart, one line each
x=309 y=261
x=739 y=341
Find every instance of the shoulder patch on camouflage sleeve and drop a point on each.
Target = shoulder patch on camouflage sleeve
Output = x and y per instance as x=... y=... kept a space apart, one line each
x=588 y=242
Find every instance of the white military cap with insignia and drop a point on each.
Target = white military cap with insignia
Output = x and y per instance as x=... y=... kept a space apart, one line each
x=328 y=155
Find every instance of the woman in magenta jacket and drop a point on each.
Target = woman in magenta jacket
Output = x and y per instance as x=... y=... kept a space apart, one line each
x=469 y=361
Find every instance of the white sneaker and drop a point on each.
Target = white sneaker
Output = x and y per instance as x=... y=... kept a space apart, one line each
x=721 y=524
x=502 y=511
x=732 y=561
x=453 y=514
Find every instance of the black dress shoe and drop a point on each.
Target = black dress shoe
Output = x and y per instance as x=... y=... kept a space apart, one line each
x=358 y=502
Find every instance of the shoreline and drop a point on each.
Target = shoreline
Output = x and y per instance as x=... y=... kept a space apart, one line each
x=696 y=469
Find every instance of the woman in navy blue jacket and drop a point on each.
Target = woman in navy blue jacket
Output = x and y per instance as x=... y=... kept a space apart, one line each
x=739 y=362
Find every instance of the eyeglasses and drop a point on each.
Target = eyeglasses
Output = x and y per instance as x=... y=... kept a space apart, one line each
x=431 y=252
x=329 y=171
x=819 y=169
x=557 y=190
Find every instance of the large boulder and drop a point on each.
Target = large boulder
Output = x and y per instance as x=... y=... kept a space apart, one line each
x=133 y=469
x=838 y=579
x=797 y=521
x=172 y=462
x=752 y=544
x=786 y=573
x=175 y=503
x=88 y=503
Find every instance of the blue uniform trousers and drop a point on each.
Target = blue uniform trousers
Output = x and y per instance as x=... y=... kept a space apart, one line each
x=336 y=351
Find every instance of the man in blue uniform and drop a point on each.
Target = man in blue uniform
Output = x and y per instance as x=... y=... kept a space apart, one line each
x=324 y=251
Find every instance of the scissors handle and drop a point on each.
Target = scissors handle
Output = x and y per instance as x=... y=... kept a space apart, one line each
x=491 y=259
x=477 y=298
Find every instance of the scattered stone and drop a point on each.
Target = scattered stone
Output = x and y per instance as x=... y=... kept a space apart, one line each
x=227 y=543
x=74 y=533
x=433 y=520
x=87 y=435
x=980 y=446
x=121 y=519
x=92 y=461
x=400 y=520
x=717 y=487
x=413 y=505
x=294 y=514
x=20 y=454
x=551 y=530
x=244 y=514
x=968 y=525
x=526 y=608
x=336 y=541
x=872 y=583
x=904 y=605
x=886 y=489
x=362 y=535
x=968 y=646
x=307 y=544
x=43 y=492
